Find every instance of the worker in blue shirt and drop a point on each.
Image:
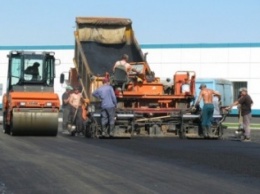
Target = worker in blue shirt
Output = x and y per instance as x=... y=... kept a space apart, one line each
x=108 y=106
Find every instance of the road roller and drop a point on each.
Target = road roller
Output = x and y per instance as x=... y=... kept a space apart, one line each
x=30 y=105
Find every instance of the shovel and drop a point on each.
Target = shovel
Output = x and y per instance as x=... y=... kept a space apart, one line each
x=72 y=127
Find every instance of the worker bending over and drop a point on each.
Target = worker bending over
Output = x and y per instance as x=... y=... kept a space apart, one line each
x=208 y=107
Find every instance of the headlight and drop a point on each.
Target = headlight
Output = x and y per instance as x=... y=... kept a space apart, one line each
x=22 y=103
x=48 y=104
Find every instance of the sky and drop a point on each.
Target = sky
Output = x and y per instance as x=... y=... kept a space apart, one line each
x=52 y=22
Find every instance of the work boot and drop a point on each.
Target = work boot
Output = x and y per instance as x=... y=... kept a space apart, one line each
x=205 y=132
x=104 y=131
x=112 y=130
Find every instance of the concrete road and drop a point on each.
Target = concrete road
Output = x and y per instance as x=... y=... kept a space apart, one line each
x=64 y=164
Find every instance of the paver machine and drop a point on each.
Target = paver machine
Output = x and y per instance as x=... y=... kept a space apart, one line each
x=30 y=106
x=191 y=124
x=146 y=104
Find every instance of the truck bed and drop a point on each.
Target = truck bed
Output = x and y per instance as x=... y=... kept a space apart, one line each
x=102 y=57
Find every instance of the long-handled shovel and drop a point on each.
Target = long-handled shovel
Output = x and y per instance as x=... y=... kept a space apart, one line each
x=72 y=126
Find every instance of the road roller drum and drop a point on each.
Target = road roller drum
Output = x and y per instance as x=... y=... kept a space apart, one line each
x=34 y=122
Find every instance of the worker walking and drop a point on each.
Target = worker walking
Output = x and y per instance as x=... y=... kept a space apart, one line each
x=208 y=107
x=108 y=105
x=66 y=107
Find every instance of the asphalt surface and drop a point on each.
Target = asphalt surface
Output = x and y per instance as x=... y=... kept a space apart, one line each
x=65 y=164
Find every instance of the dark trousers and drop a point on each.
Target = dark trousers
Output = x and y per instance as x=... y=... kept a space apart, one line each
x=65 y=117
x=76 y=118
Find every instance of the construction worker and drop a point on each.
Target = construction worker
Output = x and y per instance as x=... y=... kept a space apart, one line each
x=75 y=109
x=208 y=107
x=108 y=106
x=124 y=62
x=246 y=103
x=66 y=107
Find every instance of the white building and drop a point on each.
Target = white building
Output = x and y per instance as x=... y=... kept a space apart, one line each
x=237 y=62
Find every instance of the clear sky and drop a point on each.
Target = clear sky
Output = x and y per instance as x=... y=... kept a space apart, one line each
x=52 y=22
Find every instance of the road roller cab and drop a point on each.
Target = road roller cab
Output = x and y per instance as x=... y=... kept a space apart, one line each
x=30 y=106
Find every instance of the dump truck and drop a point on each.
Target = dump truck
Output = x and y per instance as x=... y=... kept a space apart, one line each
x=30 y=105
x=146 y=104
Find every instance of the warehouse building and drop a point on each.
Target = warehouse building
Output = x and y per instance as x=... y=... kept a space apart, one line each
x=237 y=62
